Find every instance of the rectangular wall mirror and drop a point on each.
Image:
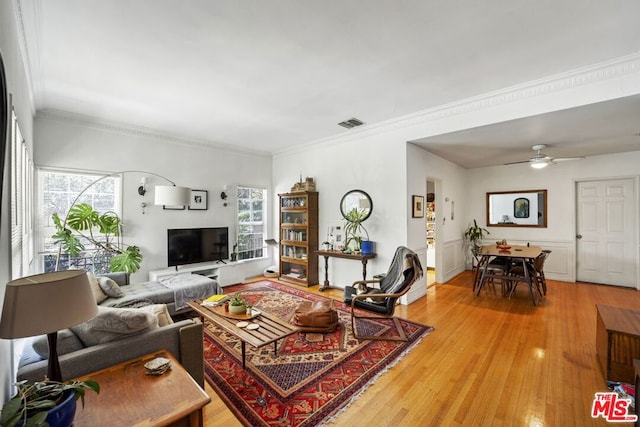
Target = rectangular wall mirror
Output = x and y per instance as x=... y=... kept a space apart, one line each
x=526 y=208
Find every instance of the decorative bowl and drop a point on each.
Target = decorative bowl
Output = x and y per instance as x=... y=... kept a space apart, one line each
x=237 y=309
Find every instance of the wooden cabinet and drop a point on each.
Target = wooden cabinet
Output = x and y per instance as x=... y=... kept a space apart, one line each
x=299 y=238
x=131 y=397
x=617 y=341
x=229 y=273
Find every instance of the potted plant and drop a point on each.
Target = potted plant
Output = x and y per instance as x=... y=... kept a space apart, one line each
x=45 y=403
x=83 y=220
x=353 y=228
x=474 y=234
x=237 y=305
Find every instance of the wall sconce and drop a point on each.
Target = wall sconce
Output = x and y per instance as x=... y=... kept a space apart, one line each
x=223 y=195
x=142 y=190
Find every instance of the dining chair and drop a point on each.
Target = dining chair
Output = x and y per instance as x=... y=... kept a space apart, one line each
x=501 y=267
x=535 y=269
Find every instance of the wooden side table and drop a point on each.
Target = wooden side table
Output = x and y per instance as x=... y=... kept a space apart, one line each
x=617 y=342
x=130 y=397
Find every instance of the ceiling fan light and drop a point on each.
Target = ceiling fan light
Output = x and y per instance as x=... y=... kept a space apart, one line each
x=539 y=164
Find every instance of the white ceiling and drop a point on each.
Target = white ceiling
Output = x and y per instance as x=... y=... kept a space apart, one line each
x=265 y=76
x=600 y=128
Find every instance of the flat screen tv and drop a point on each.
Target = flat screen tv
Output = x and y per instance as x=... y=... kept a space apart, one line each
x=194 y=245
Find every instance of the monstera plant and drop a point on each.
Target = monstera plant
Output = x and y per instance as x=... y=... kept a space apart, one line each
x=103 y=231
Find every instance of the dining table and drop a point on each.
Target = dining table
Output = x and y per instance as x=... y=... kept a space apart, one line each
x=508 y=255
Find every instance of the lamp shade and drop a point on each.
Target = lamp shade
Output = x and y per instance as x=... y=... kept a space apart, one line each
x=539 y=164
x=46 y=303
x=172 y=195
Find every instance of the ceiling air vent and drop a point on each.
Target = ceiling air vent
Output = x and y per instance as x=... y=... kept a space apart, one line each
x=351 y=123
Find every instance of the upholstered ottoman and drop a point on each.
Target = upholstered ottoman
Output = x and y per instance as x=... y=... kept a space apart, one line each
x=318 y=316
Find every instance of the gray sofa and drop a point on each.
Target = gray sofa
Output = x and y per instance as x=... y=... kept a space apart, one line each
x=88 y=347
x=183 y=339
x=185 y=287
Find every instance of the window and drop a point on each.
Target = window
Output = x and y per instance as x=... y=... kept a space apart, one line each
x=58 y=191
x=21 y=202
x=251 y=222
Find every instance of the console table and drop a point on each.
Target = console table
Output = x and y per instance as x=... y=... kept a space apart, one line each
x=617 y=342
x=338 y=254
x=130 y=397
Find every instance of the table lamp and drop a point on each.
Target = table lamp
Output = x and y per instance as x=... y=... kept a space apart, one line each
x=44 y=304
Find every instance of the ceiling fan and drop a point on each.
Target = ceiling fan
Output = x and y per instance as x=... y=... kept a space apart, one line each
x=541 y=160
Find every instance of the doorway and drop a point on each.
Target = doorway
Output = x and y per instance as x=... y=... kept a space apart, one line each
x=606 y=232
x=430 y=216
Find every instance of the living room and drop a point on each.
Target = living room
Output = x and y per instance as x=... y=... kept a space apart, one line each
x=379 y=159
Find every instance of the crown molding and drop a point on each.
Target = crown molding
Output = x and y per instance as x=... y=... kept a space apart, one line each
x=141 y=131
x=601 y=72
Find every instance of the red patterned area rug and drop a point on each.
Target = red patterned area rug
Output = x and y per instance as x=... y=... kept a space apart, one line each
x=313 y=376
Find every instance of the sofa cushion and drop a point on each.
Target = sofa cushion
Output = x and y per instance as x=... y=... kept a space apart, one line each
x=110 y=287
x=161 y=312
x=114 y=323
x=66 y=343
x=98 y=294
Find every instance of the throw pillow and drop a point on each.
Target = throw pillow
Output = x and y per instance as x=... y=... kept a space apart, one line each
x=114 y=323
x=97 y=290
x=161 y=312
x=110 y=287
x=66 y=343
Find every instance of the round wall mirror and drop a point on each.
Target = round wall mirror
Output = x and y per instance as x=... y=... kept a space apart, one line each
x=356 y=199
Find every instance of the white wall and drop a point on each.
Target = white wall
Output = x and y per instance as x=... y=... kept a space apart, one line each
x=560 y=181
x=450 y=199
x=376 y=165
x=371 y=158
x=63 y=142
x=19 y=89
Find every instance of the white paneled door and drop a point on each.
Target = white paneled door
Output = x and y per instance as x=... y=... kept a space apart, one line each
x=606 y=232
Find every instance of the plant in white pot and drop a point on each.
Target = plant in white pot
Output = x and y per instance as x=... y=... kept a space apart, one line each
x=354 y=229
x=474 y=235
x=45 y=403
x=237 y=305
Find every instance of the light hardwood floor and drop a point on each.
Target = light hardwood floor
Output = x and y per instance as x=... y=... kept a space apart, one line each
x=491 y=361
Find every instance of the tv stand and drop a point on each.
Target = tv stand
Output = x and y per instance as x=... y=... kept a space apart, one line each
x=226 y=273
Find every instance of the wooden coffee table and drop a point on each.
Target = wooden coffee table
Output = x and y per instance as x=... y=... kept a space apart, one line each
x=270 y=329
x=129 y=397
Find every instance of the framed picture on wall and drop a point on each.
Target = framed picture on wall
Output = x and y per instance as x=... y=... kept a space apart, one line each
x=199 y=200
x=521 y=207
x=418 y=206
